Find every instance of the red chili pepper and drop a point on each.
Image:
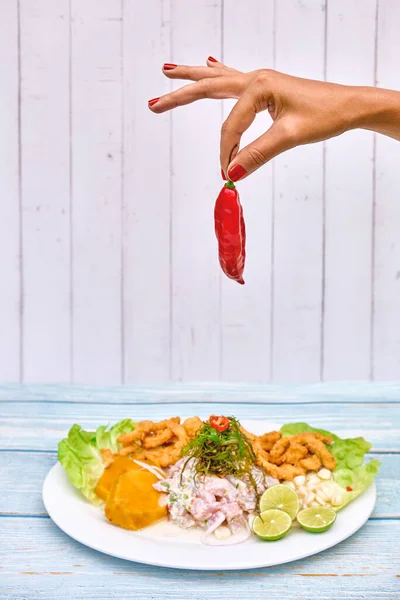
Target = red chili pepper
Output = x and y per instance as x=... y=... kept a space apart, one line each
x=348 y=488
x=230 y=231
x=219 y=423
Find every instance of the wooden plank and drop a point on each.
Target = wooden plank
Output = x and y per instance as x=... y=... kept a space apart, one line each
x=246 y=311
x=146 y=216
x=96 y=190
x=10 y=198
x=22 y=495
x=349 y=190
x=386 y=299
x=41 y=426
x=50 y=563
x=195 y=181
x=298 y=183
x=230 y=393
x=45 y=189
x=21 y=480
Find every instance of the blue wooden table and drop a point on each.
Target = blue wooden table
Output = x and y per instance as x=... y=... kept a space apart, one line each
x=37 y=560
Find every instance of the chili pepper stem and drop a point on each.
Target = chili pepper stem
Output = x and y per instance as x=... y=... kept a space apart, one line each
x=229 y=184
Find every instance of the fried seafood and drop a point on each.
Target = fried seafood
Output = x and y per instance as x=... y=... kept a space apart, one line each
x=192 y=425
x=293 y=454
x=317 y=446
x=286 y=471
x=136 y=449
x=311 y=463
x=108 y=456
x=250 y=436
x=268 y=440
x=159 y=442
x=163 y=456
x=287 y=457
x=280 y=447
x=169 y=454
x=144 y=428
x=179 y=431
x=309 y=435
x=158 y=439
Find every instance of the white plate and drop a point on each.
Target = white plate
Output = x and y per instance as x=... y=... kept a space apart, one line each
x=165 y=545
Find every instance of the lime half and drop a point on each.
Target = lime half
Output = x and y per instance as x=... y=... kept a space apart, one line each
x=316 y=519
x=281 y=497
x=272 y=525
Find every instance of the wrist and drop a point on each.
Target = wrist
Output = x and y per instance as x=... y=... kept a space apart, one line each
x=375 y=109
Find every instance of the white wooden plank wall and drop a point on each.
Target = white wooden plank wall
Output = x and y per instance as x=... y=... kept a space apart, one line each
x=195 y=279
x=386 y=280
x=246 y=310
x=349 y=195
x=146 y=194
x=96 y=196
x=109 y=270
x=45 y=168
x=10 y=214
x=298 y=208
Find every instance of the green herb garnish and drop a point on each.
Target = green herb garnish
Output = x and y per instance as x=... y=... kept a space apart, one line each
x=221 y=453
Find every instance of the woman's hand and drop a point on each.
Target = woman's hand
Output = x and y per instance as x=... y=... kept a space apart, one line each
x=303 y=110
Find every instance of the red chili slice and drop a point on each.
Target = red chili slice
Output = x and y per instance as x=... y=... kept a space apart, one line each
x=219 y=423
x=231 y=232
x=348 y=488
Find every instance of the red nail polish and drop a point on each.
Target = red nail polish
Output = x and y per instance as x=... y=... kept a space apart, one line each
x=236 y=173
x=153 y=101
x=212 y=59
x=223 y=175
x=169 y=66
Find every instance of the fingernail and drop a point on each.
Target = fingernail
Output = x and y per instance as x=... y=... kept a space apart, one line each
x=169 y=66
x=212 y=59
x=236 y=173
x=153 y=101
x=223 y=175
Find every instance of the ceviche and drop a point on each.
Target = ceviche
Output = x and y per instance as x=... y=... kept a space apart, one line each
x=216 y=476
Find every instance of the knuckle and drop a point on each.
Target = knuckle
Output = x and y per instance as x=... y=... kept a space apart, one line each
x=263 y=76
x=170 y=101
x=226 y=128
x=258 y=157
x=203 y=86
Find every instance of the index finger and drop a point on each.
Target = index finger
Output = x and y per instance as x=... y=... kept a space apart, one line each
x=218 y=87
x=238 y=121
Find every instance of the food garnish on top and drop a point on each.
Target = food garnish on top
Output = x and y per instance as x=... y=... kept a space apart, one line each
x=221 y=450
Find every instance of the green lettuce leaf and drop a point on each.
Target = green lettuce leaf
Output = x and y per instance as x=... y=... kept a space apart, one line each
x=79 y=453
x=108 y=438
x=350 y=471
x=294 y=428
x=359 y=478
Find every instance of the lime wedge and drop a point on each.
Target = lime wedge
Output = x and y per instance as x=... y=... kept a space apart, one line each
x=316 y=519
x=281 y=497
x=272 y=525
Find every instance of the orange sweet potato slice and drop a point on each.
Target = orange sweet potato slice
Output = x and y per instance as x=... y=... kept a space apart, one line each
x=121 y=464
x=133 y=503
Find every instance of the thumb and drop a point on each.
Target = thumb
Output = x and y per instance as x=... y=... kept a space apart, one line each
x=263 y=149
